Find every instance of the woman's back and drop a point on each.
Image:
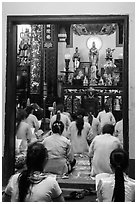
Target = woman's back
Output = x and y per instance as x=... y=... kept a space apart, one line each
x=24 y=131
x=57 y=146
x=32 y=185
x=106 y=184
x=79 y=142
x=100 y=150
x=24 y=134
x=43 y=188
x=106 y=118
x=119 y=130
x=95 y=125
x=33 y=122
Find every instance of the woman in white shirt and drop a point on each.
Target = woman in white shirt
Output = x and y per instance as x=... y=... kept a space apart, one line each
x=80 y=133
x=106 y=117
x=116 y=187
x=32 y=119
x=61 y=158
x=94 y=123
x=60 y=116
x=32 y=185
x=119 y=130
x=24 y=134
x=100 y=149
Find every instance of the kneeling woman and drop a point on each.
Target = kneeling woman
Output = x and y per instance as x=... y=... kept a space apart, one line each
x=32 y=185
x=116 y=187
x=61 y=159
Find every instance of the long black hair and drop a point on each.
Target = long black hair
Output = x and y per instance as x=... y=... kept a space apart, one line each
x=80 y=121
x=90 y=113
x=119 y=163
x=90 y=118
x=58 y=116
x=59 y=110
x=37 y=156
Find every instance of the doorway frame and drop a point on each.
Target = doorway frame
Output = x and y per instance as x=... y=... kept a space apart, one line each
x=10 y=105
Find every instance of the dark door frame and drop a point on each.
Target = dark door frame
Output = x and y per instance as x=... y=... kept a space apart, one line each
x=10 y=105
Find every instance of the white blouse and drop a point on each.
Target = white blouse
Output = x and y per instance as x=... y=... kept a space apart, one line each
x=105 y=187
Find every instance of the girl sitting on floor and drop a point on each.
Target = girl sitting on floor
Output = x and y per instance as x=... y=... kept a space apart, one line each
x=61 y=159
x=116 y=187
x=32 y=185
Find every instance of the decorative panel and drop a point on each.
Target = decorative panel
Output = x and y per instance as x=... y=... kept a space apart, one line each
x=36 y=55
x=68 y=103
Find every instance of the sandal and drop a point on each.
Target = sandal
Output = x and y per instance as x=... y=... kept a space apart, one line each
x=75 y=195
x=88 y=192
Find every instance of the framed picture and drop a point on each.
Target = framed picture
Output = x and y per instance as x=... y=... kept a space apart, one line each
x=80 y=73
x=85 y=66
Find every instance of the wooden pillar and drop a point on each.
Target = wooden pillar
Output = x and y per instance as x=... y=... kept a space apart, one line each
x=50 y=61
x=10 y=106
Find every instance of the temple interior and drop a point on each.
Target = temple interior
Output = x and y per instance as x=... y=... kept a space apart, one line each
x=79 y=62
x=69 y=81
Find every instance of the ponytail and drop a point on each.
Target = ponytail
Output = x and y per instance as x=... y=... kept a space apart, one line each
x=90 y=118
x=24 y=184
x=79 y=124
x=119 y=162
x=119 y=188
x=58 y=117
x=36 y=158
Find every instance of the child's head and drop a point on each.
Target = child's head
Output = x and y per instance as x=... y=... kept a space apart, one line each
x=58 y=127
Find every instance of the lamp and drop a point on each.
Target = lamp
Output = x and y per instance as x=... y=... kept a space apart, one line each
x=62 y=35
x=97 y=40
x=67 y=60
x=67 y=56
x=67 y=72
